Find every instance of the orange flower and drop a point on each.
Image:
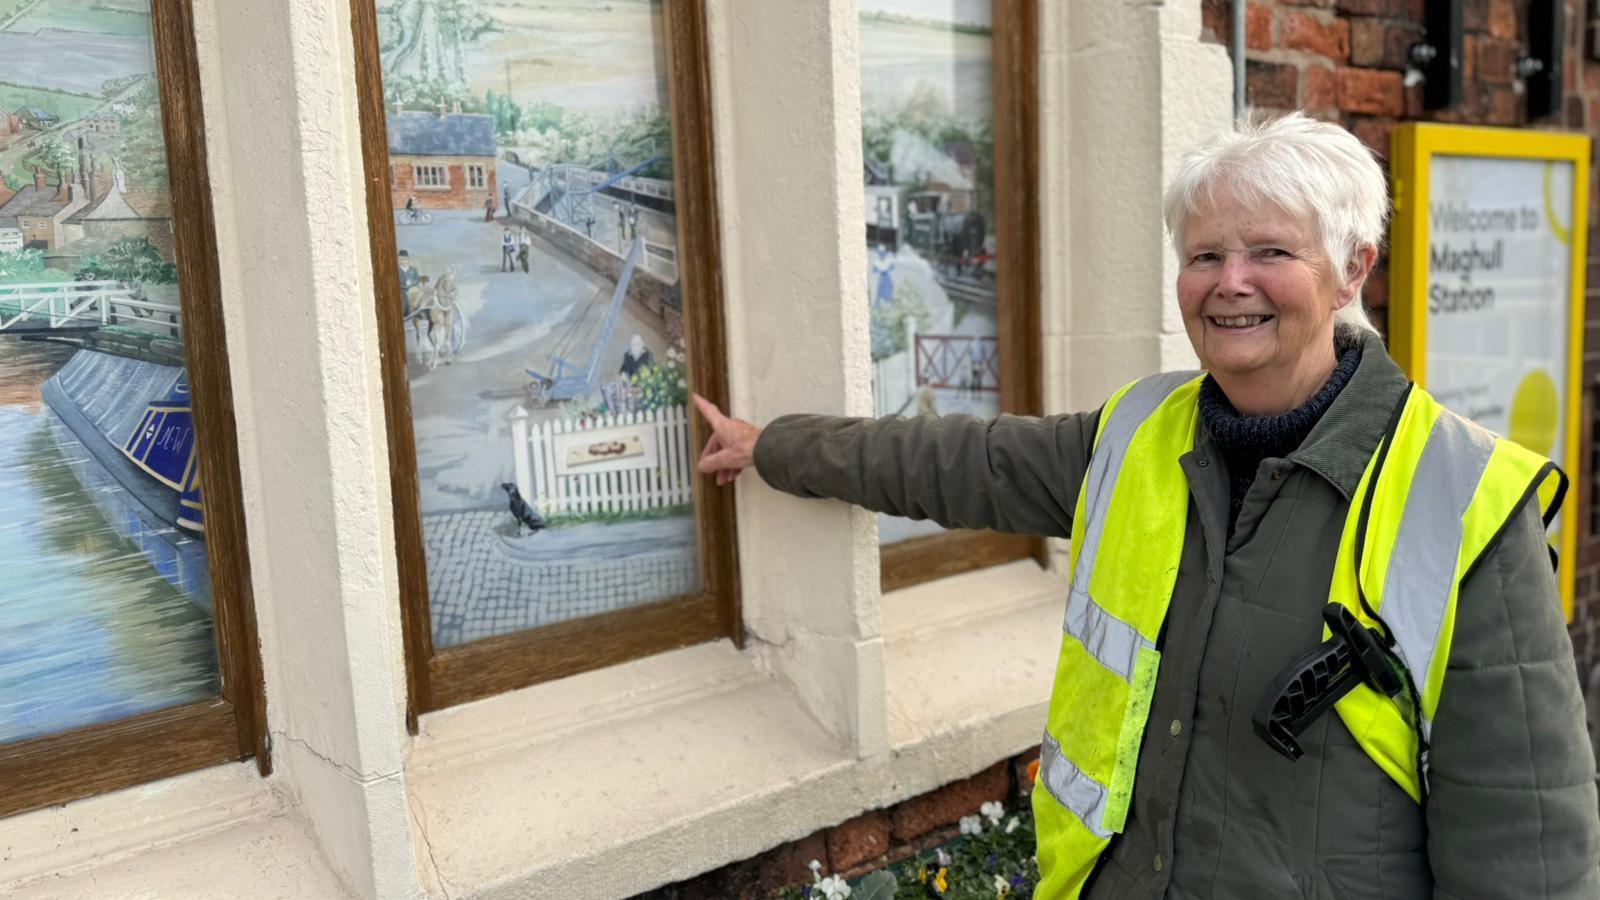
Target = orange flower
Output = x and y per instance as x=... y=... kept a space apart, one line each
x=1033 y=773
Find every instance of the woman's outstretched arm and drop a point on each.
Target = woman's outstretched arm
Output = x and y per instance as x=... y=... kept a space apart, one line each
x=1015 y=473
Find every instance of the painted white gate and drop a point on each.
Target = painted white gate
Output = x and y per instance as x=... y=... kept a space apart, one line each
x=657 y=473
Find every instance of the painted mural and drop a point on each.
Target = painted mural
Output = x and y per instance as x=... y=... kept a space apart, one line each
x=530 y=157
x=927 y=138
x=105 y=608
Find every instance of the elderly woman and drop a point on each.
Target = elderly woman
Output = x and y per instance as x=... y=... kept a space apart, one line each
x=1313 y=643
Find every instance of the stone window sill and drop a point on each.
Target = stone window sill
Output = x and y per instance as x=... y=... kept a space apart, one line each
x=613 y=782
x=220 y=832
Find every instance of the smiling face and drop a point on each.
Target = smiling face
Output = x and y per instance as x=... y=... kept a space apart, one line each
x=1258 y=297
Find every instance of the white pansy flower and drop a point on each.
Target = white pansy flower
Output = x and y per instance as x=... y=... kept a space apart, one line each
x=971 y=825
x=1012 y=825
x=833 y=887
x=992 y=811
x=815 y=867
x=942 y=857
x=1001 y=886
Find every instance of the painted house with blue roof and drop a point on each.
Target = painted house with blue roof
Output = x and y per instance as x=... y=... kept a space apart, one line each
x=443 y=159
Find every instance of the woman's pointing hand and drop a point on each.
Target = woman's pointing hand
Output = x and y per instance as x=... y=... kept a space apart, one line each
x=732 y=447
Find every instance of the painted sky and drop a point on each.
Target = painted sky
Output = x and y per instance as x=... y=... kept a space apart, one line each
x=961 y=12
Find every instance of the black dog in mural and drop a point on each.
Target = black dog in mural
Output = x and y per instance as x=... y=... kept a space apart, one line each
x=521 y=511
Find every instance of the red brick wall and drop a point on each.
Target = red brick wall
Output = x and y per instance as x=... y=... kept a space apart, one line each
x=1344 y=60
x=870 y=841
x=403 y=184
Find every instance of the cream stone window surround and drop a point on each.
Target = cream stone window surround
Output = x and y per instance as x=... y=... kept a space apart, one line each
x=844 y=699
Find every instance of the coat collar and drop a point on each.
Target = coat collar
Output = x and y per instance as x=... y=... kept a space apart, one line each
x=1343 y=441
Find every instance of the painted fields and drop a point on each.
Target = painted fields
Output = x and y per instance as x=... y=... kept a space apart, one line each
x=66 y=106
x=118 y=17
x=70 y=61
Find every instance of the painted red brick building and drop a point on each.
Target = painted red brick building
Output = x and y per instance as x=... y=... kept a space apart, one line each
x=444 y=160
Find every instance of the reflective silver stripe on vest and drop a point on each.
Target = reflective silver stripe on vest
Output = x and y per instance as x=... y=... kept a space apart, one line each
x=1114 y=643
x=1075 y=791
x=1422 y=569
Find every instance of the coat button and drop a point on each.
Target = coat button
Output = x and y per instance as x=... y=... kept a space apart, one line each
x=1201 y=462
x=1277 y=474
x=1177 y=727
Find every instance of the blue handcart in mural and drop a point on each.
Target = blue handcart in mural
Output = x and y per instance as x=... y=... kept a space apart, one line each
x=566 y=380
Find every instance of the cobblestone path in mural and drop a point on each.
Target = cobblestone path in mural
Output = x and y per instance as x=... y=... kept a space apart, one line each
x=485 y=580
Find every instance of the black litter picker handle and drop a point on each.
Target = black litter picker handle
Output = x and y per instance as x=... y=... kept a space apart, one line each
x=1311 y=684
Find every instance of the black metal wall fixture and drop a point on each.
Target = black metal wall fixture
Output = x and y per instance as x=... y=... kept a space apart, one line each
x=1541 y=68
x=1439 y=56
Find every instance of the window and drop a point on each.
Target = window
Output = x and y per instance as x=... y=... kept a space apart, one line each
x=434 y=177
x=131 y=636
x=475 y=176
x=949 y=145
x=549 y=516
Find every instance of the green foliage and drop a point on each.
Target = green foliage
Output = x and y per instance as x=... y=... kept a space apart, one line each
x=507 y=114
x=27 y=266
x=131 y=261
x=888 y=321
x=144 y=146
x=612 y=518
x=661 y=385
x=415 y=92
x=552 y=134
x=53 y=156
x=925 y=114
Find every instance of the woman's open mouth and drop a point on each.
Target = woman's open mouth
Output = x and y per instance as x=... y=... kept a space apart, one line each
x=1238 y=323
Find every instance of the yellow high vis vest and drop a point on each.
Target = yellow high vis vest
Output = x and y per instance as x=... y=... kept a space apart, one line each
x=1445 y=490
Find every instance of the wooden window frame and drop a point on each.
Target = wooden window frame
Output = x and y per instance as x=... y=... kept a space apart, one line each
x=477 y=178
x=1015 y=39
x=57 y=768
x=436 y=679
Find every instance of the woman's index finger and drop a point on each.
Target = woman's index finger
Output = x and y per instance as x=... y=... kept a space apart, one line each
x=709 y=410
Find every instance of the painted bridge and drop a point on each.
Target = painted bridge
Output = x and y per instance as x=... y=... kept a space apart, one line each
x=81 y=306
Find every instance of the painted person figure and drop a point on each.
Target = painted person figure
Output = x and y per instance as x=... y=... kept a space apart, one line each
x=633 y=222
x=409 y=278
x=508 y=252
x=635 y=359
x=524 y=247
x=622 y=226
x=883 y=269
x=488 y=208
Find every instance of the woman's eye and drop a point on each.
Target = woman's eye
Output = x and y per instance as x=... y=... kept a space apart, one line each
x=1272 y=252
x=1203 y=257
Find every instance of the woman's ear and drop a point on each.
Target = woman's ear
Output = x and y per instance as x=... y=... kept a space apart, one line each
x=1356 y=271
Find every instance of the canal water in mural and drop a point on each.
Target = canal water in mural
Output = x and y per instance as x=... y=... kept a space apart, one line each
x=105 y=604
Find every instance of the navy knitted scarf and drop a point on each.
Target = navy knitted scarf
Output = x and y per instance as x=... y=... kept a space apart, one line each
x=1245 y=441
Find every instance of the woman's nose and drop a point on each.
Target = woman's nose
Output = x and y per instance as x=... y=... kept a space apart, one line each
x=1235 y=275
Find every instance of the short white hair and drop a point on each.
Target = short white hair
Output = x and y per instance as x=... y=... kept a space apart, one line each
x=1316 y=171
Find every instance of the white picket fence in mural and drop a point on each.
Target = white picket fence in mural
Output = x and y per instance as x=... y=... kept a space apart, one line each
x=894 y=378
x=669 y=481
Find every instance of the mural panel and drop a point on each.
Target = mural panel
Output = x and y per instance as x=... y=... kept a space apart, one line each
x=927 y=137
x=530 y=166
x=105 y=608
